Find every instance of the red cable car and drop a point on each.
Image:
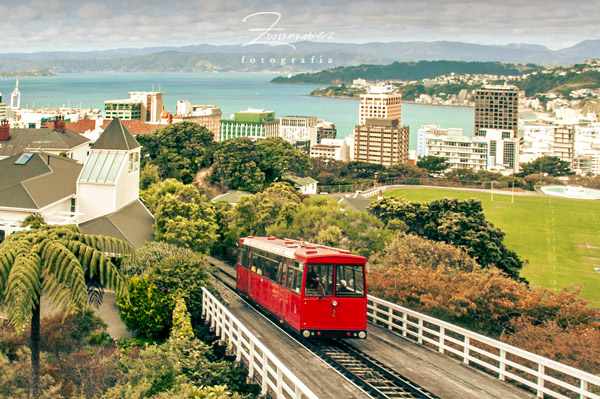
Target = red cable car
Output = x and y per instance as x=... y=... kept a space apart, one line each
x=318 y=291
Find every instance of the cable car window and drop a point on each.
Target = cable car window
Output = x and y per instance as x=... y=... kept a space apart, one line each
x=319 y=280
x=350 y=280
x=242 y=256
x=282 y=270
x=294 y=276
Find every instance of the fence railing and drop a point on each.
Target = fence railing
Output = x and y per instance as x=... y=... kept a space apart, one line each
x=543 y=377
x=263 y=366
x=416 y=181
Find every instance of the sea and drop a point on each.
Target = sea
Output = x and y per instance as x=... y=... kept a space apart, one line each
x=231 y=92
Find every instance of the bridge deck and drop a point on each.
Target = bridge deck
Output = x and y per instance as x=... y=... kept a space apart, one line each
x=439 y=374
x=325 y=382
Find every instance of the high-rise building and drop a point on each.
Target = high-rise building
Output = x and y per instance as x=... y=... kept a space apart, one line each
x=382 y=141
x=256 y=124
x=380 y=105
x=146 y=106
x=325 y=130
x=564 y=142
x=497 y=107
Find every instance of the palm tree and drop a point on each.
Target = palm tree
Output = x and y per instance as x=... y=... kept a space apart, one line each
x=62 y=263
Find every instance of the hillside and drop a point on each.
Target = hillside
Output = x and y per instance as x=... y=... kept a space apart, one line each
x=406 y=71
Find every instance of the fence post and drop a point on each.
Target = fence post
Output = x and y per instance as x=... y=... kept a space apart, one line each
x=238 y=353
x=265 y=375
x=502 y=365
x=404 y=323
x=251 y=360
x=390 y=318
x=466 y=350
x=279 y=384
x=584 y=386
x=420 y=323
x=540 y=380
x=442 y=334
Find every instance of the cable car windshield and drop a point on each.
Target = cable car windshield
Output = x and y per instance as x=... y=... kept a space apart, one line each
x=319 y=280
x=349 y=281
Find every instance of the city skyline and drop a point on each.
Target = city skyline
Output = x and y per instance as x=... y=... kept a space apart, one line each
x=69 y=25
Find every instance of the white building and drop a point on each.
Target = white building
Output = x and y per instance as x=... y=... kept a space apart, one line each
x=101 y=196
x=305 y=185
x=298 y=128
x=337 y=149
x=460 y=152
x=503 y=150
x=146 y=106
x=110 y=178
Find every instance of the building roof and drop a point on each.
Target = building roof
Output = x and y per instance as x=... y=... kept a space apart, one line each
x=299 y=181
x=231 y=196
x=35 y=180
x=355 y=204
x=132 y=223
x=44 y=139
x=81 y=126
x=116 y=136
x=136 y=126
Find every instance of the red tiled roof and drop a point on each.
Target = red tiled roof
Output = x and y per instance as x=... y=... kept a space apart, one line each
x=81 y=126
x=136 y=126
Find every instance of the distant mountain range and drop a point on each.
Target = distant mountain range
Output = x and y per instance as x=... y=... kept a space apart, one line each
x=308 y=56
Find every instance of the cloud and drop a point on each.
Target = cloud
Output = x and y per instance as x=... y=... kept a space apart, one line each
x=93 y=11
x=140 y=23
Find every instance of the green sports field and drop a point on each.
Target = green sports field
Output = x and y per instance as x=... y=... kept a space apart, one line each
x=559 y=239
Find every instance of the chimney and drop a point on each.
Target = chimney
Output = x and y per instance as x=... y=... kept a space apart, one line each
x=4 y=130
x=60 y=124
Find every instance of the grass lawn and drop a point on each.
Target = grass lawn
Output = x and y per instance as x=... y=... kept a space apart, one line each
x=559 y=239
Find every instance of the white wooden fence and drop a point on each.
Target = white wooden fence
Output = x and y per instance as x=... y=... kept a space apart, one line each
x=546 y=378
x=263 y=366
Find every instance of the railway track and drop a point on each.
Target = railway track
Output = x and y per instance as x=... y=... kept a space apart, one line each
x=376 y=379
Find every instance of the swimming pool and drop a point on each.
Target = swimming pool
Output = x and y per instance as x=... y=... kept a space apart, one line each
x=572 y=192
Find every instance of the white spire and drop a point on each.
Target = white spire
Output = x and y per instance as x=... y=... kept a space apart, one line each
x=15 y=96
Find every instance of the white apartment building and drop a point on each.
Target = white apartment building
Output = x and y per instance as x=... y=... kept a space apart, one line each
x=298 y=128
x=338 y=149
x=503 y=150
x=433 y=130
x=460 y=152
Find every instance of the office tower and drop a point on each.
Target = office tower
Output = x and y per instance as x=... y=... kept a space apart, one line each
x=382 y=141
x=380 y=104
x=256 y=124
x=497 y=107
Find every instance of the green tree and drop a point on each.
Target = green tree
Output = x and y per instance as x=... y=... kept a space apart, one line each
x=59 y=262
x=550 y=165
x=237 y=167
x=178 y=150
x=278 y=157
x=146 y=311
x=322 y=220
x=434 y=165
x=460 y=223
x=253 y=214
x=403 y=171
x=182 y=324
x=170 y=272
x=183 y=215
x=149 y=175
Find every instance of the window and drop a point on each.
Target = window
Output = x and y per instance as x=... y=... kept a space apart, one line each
x=134 y=161
x=319 y=280
x=294 y=276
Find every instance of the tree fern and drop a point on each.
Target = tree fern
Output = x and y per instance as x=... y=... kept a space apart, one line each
x=62 y=263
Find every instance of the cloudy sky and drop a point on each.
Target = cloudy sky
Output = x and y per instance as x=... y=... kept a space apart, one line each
x=45 y=25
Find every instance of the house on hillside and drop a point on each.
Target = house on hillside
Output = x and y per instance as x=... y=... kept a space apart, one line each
x=305 y=185
x=101 y=196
